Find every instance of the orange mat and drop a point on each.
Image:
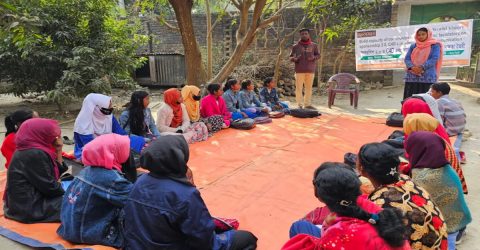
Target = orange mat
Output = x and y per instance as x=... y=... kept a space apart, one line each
x=262 y=177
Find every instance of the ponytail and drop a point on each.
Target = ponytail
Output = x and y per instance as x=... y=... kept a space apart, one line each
x=10 y=125
x=15 y=119
x=339 y=188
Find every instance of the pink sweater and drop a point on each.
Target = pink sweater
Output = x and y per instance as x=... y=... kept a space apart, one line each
x=210 y=107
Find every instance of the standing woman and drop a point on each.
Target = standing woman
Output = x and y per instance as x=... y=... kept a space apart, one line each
x=191 y=98
x=12 y=124
x=423 y=62
x=137 y=118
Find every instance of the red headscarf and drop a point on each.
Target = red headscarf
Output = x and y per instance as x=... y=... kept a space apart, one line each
x=425 y=150
x=422 y=51
x=171 y=97
x=414 y=106
x=107 y=151
x=39 y=133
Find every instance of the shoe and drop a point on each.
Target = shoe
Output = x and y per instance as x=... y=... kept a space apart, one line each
x=460 y=236
x=310 y=107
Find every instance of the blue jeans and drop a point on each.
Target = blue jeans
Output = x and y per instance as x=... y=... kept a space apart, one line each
x=457 y=145
x=452 y=239
x=304 y=227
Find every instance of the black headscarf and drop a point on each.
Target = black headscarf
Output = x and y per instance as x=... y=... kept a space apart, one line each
x=167 y=157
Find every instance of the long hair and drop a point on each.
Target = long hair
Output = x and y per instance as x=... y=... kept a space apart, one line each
x=136 y=115
x=13 y=121
x=230 y=82
x=339 y=187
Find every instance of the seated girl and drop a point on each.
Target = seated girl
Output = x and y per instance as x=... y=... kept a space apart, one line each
x=232 y=100
x=432 y=171
x=269 y=96
x=165 y=211
x=95 y=119
x=137 y=118
x=426 y=226
x=249 y=100
x=191 y=99
x=351 y=226
x=172 y=118
x=12 y=123
x=214 y=106
x=99 y=191
x=33 y=191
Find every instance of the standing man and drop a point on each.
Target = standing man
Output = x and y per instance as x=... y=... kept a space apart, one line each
x=304 y=55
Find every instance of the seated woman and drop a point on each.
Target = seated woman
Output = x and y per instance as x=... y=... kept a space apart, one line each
x=415 y=106
x=213 y=105
x=137 y=118
x=351 y=226
x=33 y=191
x=99 y=191
x=426 y=228
x=12 y=124
x=165 y=211
x=432 y=171
x=269 y=96
x=95 y=119
x=172 y=118
x=191 y=99
x=231 y=96
x=249 y=100
x=424 y=122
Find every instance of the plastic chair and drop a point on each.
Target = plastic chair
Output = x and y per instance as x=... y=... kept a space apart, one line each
x=343 y=83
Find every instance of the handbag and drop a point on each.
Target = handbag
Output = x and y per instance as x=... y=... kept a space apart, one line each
x=276 y=114
x=304 y=113
x=395 y=119
x=244 y=124
x=223 y=224
x=262 y=120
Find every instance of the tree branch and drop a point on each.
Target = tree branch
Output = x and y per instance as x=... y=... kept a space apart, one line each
x=170 y=26
x=219 y=17
x=236 y=3
x=275 y=16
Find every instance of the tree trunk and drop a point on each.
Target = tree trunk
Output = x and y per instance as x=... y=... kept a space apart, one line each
x=347 y=46
x=193 y=58
x=209 y=41
x=322 y=43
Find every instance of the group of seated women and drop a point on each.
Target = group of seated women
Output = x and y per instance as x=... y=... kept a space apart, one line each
x=414 y=205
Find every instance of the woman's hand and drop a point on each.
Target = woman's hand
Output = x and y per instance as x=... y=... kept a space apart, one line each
x=58 y=144
x=244 y=114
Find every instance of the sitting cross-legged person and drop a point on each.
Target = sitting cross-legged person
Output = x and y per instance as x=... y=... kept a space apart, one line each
x=354 y=223
x=33 y=191
x=166 y=211
x=100 y=192
x=172 y=118
x=426 y=228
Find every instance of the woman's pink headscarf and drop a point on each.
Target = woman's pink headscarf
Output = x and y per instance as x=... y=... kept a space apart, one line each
x=39 y=133
x=422 y=50
x=107 y=151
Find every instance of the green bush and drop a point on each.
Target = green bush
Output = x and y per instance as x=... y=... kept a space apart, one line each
x=67 y=48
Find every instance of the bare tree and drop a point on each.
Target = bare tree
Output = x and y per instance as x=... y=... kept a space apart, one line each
x=247 y=31
x=210 y=28
x=193 y=58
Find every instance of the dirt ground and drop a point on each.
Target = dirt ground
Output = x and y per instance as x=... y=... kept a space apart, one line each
x=373 y=103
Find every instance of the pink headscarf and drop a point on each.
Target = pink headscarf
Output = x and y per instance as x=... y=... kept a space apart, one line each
x=107 y=151
x=39 y=133
x=422 y=50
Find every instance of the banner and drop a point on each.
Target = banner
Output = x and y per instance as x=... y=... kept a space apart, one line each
x=385 y=49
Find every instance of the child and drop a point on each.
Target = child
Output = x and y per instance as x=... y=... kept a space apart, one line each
x=269 y=96
x=232 y=100
x=213 y=105
x=249 y=100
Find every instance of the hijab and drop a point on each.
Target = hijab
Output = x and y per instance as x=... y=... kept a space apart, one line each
x=193 y=107
x=421 y=52
x=424 y=122
x=170 y=97
x=39 y=133
x=167 y=157
x=107 y=151
x=426 y=150
x=91 y=120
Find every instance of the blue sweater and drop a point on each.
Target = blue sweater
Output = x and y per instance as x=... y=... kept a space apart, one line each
x=248 y=99
x=430 y=74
